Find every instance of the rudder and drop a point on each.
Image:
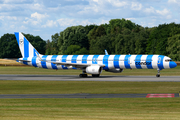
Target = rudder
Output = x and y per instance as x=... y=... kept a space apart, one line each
x=27 y=50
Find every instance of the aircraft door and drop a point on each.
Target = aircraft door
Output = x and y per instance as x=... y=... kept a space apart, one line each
x=159 y=60
x=129 y=60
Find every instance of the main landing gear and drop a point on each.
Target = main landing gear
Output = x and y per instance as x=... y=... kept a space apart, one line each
x=83 y=75
x=158 y=75
x=95 y=75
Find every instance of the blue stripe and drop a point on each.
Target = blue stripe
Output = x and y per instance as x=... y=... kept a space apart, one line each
x=84 y=58
x=26 y=48
x=74 y=59
x=64 y=60
x=17 y=37
x=34 y=62
x=35 y=51
x=94 y=59
x=44 y=63
x=25 y=62
x=105 y=62
x=116 y=61
x=17 y=60
x=126 y=62
x=54 y=57
x=149 y=59
x=160 y=66
x=137 y=61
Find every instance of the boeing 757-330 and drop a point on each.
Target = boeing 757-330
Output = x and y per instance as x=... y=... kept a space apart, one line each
x=90 y=64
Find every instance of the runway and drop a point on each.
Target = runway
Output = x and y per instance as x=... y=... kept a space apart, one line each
x=87 y=96
x=101 y=78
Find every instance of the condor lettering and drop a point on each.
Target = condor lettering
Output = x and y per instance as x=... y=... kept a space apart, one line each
x=143 y=63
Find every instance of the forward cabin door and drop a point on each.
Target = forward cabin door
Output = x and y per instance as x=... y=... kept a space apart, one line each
x=159 y=60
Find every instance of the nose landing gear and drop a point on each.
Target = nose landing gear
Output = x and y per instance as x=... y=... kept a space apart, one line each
x=158 y=75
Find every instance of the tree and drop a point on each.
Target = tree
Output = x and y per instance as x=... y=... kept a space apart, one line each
x=76 y=50
x=54 y=44
x=48 y=47
x=9 y=47
x=174 y=47
x=37 y=42
x=157 y=41
x=141 y=41
x=75 y=35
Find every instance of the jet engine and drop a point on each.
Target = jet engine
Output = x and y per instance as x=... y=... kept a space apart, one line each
x=93 y=69
x=115 y=70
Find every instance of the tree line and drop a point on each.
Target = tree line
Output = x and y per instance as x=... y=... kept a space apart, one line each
x=120 y=36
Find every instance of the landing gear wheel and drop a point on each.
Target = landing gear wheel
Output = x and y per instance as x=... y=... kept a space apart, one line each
x=157 y=75
x=95 y=75
x=82 y=75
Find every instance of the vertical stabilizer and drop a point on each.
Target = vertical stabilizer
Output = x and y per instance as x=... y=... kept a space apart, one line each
x=27 y=50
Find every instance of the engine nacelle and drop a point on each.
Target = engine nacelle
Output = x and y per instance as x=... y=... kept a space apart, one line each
x=93 y=69
x=115 y=70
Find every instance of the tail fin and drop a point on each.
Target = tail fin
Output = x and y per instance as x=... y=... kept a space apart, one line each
x=27 y=50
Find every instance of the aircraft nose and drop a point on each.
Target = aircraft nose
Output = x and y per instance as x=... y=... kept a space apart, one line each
x=172 y=64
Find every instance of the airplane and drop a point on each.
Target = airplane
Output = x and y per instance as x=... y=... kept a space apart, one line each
x=90 y=64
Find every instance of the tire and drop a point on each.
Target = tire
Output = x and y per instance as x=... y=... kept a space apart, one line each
x=157 y=75
x=95 y=75
x=82 y=75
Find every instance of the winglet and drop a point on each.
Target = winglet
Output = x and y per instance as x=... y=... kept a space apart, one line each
x=106 y=53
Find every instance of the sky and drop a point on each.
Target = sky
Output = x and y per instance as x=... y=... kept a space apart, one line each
x=47 y=17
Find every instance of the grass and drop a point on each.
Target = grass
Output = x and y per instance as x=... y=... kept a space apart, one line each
x=90 y=109
x=40 y=71
x=5 y=62
x=94 y=87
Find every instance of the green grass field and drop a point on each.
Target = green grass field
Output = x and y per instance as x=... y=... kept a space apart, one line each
x=40 y=71
x=88 y=109
x=94 y=87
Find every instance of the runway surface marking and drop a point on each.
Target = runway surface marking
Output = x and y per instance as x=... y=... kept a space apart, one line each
x=160 y=95
x=85 y=95
x=101 y=78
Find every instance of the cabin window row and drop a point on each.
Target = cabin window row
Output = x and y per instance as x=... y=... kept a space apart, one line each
x=110 y=60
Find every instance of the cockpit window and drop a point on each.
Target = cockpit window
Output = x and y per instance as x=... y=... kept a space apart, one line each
x=168 y=60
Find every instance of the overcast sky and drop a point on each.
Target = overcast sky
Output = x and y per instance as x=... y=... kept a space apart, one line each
x=47 y=17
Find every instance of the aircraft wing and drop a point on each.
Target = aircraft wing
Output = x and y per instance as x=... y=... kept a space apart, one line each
x=76 y=65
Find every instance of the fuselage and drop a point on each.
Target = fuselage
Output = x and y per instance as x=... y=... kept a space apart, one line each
x=110 y=61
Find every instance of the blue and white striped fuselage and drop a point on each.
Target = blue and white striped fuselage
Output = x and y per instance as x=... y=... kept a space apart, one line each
x=91 y=64
x=109 y=61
